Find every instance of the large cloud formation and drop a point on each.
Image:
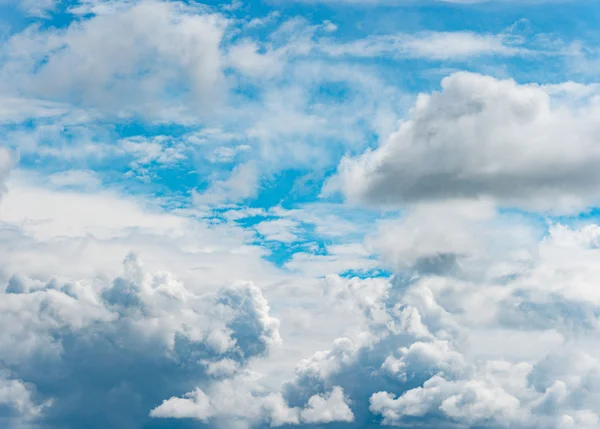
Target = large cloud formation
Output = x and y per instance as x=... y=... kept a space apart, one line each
x=515 y=348
x=98 y=353
x=526 y=146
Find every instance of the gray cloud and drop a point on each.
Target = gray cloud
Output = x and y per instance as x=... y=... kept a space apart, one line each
x=105 y=354
x=522 y=145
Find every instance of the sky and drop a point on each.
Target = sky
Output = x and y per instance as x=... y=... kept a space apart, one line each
x=310 y=214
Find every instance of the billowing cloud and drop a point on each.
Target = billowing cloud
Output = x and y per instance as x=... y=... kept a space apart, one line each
x=238 y=403
x=524 y=146
x=94 y=345
x=442 y=350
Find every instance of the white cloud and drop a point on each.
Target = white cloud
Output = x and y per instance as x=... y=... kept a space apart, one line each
x=16 y=110
x=227 y=154
x=112 y=77
x=327 y=408
x=483 y=137
x=75 y=178
x=239 y=402
x=455 y=236
x=430 y=45
x=339 y=259
x=132 y=61
x=101 y=7
x=102 y=214
x=242 y=183
x=278 y=230
x=43 y=226
x=245 y=57
x=194 y=405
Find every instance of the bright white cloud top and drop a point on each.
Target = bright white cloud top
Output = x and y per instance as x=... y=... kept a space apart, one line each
x=311 y=214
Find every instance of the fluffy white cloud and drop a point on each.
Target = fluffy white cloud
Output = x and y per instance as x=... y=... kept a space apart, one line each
x=484 y=137
x=454 y=350
x=43 y=225
x=240 y=403
x=138 y=60
x=327 y=408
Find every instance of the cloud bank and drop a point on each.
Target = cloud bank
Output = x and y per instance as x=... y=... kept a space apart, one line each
x=481 y=137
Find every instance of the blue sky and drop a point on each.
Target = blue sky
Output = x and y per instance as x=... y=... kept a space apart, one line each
x=311 y=213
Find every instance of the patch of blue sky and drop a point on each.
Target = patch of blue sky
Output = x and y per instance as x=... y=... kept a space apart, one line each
x=287 y=189
x=541 y=222
x=586 y=217
x=366 y=274
x=280 y=253
x=316 y=238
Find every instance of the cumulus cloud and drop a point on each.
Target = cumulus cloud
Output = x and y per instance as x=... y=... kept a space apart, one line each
x=327 y=408
x=239 y=403
x=484 y=137
x=124 y=345
x=442 y=350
